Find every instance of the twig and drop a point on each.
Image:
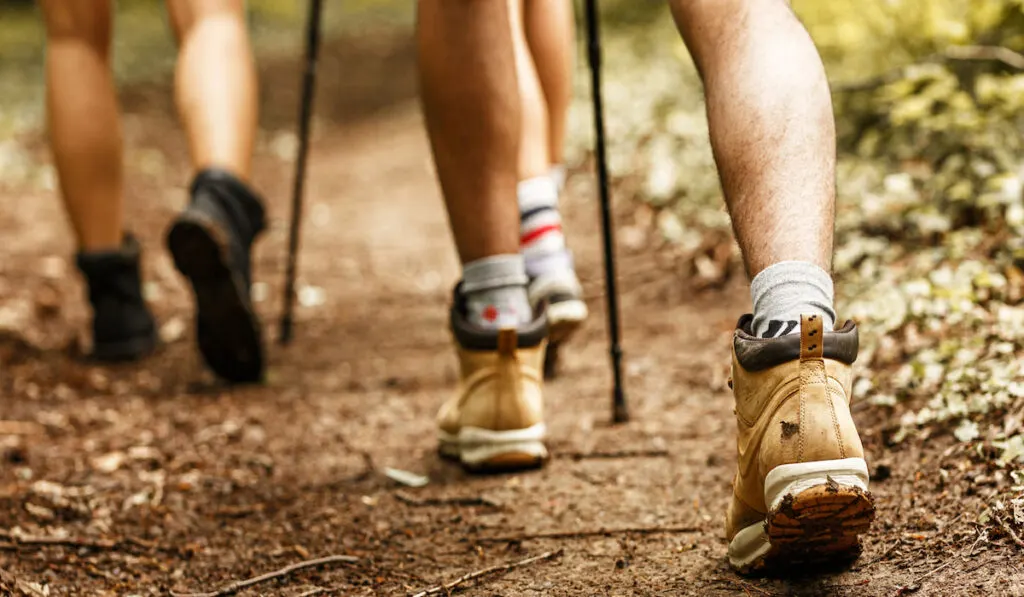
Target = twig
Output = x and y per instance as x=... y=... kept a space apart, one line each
x=745 y=586
x=446 y=588
x=238 y=511
x=588 y=533
x=915 y=585
x=983 y=564
x=446 y=501
x=1006 y=56
x=244 y=584
x=20 y=428
x=311 y=592
x=982 y=535
x=616 y=454
x=884 y=555
x=1009 y=531
x=16 y=541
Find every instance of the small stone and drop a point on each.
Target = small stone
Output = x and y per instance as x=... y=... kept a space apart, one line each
x=109 y=462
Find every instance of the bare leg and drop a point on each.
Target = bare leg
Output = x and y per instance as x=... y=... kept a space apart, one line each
x=801 y=466
x=468 y=88
x=534 y=156
x=85 y=132
x=215 y=83
x=772 y=127
x=542 y=35
x=551 y=34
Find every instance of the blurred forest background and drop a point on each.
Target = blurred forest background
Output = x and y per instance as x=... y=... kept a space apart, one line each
x=929 y=97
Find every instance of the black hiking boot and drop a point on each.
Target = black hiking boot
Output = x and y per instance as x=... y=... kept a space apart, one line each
x=210 y=242
x=122 y=326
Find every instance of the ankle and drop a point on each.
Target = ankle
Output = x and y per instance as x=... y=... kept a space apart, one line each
x=494 y=289
x=558 y=174
x=786 y=290
x=540 y=224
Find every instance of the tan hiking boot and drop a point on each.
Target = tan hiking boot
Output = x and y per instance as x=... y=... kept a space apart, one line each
x=495 y=420
x=801 y=490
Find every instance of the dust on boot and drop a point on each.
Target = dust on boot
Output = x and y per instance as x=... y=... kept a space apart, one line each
x=800 y=495
x=495 y=419
x=211 y=242
x=122 y=327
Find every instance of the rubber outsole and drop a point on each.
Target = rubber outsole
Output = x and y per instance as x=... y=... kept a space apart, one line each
x=125 y=350
x=564 y=319
x=485 y=451
x=820 y=526
x=814 y=521
x=227 y=329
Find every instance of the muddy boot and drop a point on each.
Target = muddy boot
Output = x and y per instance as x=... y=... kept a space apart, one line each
x=211 y=242
x=122 y=326
x=495 y=419
x=800 y=495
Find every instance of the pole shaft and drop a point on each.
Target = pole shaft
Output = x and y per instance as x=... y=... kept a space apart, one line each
x=305 y=118
x=620 y=412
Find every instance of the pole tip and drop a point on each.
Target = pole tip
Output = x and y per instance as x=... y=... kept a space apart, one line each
x=620 y=414
x=286 y=332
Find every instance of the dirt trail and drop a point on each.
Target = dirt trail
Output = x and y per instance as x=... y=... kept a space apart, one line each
x=222 y=484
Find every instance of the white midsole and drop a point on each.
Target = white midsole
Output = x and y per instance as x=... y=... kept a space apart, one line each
x=475 y=445
x=751 y=543
x=543 y=287
x=792 y=479
x=573 y=312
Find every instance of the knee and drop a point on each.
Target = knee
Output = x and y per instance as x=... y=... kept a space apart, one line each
x=711 y=27
x=83 y=21
x=186 y=15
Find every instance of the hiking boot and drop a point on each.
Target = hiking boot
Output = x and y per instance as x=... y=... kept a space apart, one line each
x=558 y=293
x=800 y=494
x=494 y=422
x=122 y=326
x=211 y=242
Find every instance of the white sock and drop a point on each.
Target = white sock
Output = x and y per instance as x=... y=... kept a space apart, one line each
x=541 y=240
x=495 y=291
x=786 y=290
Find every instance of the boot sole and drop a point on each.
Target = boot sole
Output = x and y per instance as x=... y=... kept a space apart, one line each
x=125 y=350
x=227 y=330
x=486 y=451
x=818 y=512
x=564 y=319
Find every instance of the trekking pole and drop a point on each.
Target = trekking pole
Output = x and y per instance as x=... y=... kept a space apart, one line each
x=305 y=116
x=620 y=413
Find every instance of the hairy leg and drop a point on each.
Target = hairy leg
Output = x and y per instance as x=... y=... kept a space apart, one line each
x=772 y=126
x=472 y=107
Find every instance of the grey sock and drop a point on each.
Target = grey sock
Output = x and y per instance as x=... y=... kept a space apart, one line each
x=495 y=291
x=785 y=291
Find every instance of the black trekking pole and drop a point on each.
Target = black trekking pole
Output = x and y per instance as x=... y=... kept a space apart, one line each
x=305 y=116
x=620 y=413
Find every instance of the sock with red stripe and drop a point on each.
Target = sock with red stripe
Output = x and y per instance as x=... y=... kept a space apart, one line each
x=495 y=292
x=540 y=227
